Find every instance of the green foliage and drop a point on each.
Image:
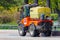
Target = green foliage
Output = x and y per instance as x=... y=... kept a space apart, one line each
x=10 y=3
x=53 y=4
x=5 y=19
x=8 y=8
x=54 y=16
x=31 y=1
x=8 y=16
x=42 y=2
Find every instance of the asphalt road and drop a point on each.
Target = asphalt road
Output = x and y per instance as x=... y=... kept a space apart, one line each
x=13 y=35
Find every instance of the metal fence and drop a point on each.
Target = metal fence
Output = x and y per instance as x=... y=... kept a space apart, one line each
x=6 y=26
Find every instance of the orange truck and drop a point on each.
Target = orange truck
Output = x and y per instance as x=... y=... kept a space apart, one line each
x=36 y=20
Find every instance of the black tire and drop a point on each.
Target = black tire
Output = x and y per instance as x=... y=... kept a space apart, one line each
x=47 y=33
x=21 y=30
x=48 y=29
x=33 y=31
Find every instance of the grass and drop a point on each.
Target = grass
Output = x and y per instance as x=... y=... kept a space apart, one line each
x=11 y=25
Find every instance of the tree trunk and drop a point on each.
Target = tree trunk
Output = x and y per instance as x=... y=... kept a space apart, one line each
x=57 y=10
x=36 y=1
x=48 y=3
x=25 y=1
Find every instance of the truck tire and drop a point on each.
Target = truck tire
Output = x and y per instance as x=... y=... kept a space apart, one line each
x=47 y=33
x=33 y=31
x=21 y=30
x=48 y=29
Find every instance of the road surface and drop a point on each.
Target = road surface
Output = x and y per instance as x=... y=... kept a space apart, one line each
x=13 y=35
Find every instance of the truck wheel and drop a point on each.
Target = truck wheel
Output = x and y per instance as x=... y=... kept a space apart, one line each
x=48 y=29
x=47 y=33
x=33 y=31
x=21 y=30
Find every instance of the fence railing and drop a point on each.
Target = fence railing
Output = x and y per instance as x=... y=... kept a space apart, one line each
x=5 y=26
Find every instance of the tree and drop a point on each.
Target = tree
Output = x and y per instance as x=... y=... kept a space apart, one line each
x=10 y=3
x=57 y=9
x=48 y=3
